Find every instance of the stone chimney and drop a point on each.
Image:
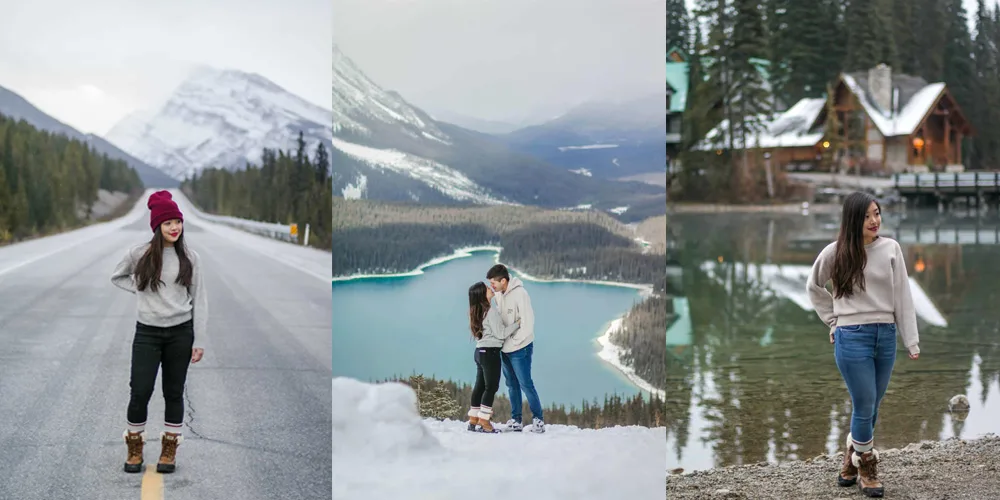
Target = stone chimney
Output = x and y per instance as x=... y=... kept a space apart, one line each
x=880 y=87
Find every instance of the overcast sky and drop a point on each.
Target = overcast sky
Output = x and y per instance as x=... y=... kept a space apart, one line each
x=506 y=59
x=89 y=63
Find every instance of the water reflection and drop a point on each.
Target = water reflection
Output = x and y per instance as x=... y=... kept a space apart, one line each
x=756 y=380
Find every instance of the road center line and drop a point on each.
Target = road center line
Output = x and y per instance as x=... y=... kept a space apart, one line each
x=152 y=484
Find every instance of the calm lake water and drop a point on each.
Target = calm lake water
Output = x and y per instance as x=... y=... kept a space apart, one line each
x=401 y=326
x=754 y=379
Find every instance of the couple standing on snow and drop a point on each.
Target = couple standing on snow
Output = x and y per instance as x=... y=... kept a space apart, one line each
x=503 y=324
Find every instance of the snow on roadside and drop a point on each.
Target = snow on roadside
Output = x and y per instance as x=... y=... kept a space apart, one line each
x=383 y=449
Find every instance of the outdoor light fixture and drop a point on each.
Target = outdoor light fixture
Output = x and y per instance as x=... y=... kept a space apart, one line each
x=826 y=144
x=919 y=266
x=918 y=142
x=718 y=152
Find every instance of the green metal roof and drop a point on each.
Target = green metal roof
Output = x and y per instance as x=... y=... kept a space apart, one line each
x=677 y=78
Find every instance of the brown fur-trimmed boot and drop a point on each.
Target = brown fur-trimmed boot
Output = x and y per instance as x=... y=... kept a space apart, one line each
x=485 y=413
x=848 y=471
x=867 y=464
x=134 y=442
x=168 y=454
x=473 y=418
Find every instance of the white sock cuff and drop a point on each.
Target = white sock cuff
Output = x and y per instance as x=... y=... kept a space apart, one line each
x=136 y=427
x=474 y=411
x=863 y=447
x=485 y=412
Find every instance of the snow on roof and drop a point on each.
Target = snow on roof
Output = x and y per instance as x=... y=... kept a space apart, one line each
x=785 y=130
x=908 y=119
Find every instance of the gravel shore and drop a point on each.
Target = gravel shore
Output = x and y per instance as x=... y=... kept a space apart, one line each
x=708 y=208
x=952 y=469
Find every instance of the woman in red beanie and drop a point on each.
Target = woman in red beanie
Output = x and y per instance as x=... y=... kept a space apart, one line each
x=166 y=278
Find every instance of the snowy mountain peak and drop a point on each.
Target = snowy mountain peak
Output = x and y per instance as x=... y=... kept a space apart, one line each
x=358 y=101
x=220 y=118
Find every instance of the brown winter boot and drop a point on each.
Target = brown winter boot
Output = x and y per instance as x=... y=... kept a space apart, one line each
x=134 y=442
x=848 y=472
x=867 y=464
x=473 y=418
x=484 y=420
x=168 y=456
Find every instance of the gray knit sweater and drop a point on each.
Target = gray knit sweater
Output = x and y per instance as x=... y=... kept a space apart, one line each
x=886 y=298
x=494 y=332
x=172 y=304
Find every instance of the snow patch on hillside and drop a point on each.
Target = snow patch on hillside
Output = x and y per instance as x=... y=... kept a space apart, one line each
x=582 y=171
x=447 y=180
x=383 y=449
x=357 y=190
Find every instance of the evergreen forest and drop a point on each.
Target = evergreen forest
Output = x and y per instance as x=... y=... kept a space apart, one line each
x=806 y=44
x=450 y=400
x=286 y=188
x=49 y=182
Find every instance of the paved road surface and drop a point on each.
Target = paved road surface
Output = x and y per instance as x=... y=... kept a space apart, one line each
x=258 y=422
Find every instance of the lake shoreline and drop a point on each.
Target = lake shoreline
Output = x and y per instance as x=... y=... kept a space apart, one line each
x=610 y=354
x=609 y=351
x=644 y=289
x=712 y=208
x=962 y=469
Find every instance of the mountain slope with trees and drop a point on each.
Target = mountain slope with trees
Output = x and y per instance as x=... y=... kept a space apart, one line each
x=49 y=182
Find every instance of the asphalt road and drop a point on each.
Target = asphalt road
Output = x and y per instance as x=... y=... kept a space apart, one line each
x=258 y=422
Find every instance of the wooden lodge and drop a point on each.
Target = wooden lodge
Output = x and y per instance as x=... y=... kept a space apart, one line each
x=885 y=124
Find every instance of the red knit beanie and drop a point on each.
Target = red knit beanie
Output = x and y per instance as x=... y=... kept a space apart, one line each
x=161 y=209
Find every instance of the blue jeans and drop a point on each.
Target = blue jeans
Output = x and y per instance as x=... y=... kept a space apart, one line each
x=517 y=374
x=865 y=355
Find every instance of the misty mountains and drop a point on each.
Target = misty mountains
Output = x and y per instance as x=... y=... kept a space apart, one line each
x=385 y=148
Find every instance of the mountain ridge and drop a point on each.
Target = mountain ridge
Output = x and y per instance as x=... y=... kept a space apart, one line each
x=16 y=106
x=386 y=148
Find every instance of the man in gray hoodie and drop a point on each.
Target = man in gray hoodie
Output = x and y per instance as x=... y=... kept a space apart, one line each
x=515 y=306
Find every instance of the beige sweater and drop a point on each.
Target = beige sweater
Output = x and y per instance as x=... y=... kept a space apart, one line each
x=886 y=298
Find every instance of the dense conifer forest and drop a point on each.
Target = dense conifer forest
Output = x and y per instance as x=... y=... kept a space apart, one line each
x=387 y=238
x=49 y=183
x=288 y=187
x=643 y=336
x=448 y=399
x=807 y=43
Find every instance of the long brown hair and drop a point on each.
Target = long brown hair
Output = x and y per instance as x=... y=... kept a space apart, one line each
x=478 y=307
x=850 y=260
x=147 y=270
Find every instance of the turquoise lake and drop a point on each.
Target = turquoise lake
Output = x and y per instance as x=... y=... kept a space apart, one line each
x=419 y=324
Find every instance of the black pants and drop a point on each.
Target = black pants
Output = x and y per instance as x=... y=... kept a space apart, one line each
x=153 y=347
x=487 y=376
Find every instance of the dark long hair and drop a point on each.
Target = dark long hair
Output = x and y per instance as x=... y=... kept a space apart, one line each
x=147 y=270
x=851 y=258
x=478 y=306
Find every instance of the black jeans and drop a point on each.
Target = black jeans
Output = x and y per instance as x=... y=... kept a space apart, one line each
x=487 y=376
x=153 y=347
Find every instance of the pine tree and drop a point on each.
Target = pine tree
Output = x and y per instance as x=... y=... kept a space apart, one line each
x=677 y=25
x=438 y=403
x=751 y=100
x=869 y=43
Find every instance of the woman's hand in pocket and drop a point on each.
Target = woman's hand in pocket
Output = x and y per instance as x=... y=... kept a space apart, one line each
x=832 y=329
x=196 y=354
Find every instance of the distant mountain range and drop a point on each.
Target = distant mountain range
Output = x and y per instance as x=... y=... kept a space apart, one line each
x=17 y=107
x=221 y=119
x=607 y=140
x=387 y=149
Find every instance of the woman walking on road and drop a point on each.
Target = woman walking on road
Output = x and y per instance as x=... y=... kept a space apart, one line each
x=871 y=301
x=490 y=334
x=166 y=277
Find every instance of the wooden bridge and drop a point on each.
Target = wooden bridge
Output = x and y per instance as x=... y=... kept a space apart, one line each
x=940 y=188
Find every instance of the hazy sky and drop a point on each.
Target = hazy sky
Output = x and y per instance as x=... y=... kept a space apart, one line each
x=505 y=59
x=89 y=63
